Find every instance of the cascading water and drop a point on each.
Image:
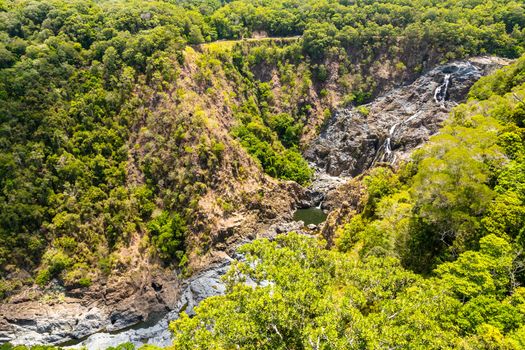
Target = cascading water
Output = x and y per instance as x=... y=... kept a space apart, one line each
x=347 y=146
x=440 y=94
x=388 y=141
x=385 y=152
x=388 y=149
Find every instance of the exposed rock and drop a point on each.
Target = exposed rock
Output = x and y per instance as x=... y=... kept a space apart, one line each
x=390 y=127
x=202 y=285
x=285 y=227
x=350 y=143
x=322 y=184
x=38 y=322
x=55 y=317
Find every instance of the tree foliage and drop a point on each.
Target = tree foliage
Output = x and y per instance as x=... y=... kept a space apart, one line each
x=294 y=294
x=434 y=249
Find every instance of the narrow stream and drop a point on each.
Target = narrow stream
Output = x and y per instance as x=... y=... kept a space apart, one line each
x=440 y=95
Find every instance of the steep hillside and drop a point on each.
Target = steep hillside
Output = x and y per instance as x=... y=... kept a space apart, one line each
x=430 y=256
x=418 y=96
x=139 y=147
x=389 y=128
x=182 y=155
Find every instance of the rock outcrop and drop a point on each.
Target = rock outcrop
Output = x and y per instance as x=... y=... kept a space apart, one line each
x=202 y=285
x=136 y=299
x=390 y=127
x=205 y=284
x=58 y=316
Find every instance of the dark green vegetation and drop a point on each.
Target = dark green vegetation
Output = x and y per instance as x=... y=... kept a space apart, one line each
x=325 y=299
x=433 y=259
x=94 y=159
x=68 y=74
x=77 y=80
x=468 y=182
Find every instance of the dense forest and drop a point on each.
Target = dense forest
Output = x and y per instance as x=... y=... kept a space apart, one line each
x=433 y=260
x=123 y=122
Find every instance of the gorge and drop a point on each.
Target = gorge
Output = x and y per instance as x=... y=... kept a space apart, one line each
x=397 y=122
x=288 y=174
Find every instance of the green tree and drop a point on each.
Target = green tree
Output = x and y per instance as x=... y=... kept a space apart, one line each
x=168 y=232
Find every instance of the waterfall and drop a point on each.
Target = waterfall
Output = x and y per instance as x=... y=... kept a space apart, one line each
x=387 y=146
x=388 y=150
x=393 y=128
x=411 y=118
x=441 y=91
x=388 y=141
x=386 y=153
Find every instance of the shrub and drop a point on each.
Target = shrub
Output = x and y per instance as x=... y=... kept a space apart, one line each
x=43 y=277
x=168 y=232
x=363 y=110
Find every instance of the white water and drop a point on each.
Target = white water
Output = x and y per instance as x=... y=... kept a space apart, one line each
x=392 y=129
x=159 y=334
x=411 y=118
x=440 y=95
x=441 y=92
x=388 y=141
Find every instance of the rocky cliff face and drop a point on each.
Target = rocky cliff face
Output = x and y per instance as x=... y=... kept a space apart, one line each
x=56 y=316
x=204 y=284
x=353 y=141
x=390 y=127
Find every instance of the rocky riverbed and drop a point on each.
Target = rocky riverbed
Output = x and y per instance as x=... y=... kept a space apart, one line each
x=205 y=284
